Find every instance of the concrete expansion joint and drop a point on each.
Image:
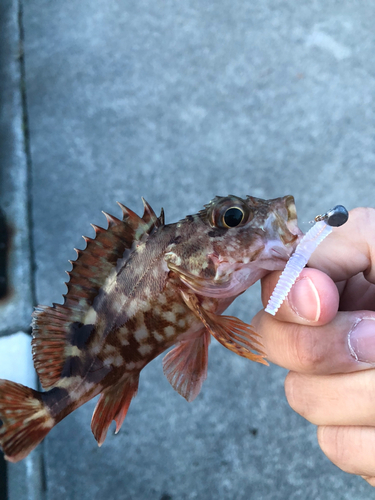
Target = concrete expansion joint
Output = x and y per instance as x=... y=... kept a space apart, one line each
x=25 y=480
x=27 y=152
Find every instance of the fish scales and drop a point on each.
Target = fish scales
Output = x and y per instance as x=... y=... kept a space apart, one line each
x=138 y=288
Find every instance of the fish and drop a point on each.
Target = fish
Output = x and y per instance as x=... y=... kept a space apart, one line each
x=138 y=288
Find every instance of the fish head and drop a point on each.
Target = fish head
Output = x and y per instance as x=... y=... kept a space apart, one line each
x=233 y=242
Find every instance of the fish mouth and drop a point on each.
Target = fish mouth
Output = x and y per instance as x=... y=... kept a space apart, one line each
x=282 y=221
x=285 y=221
x=283 y=233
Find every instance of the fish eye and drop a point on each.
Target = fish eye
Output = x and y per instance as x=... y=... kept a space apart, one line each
x=233 y=217
x=229 y=212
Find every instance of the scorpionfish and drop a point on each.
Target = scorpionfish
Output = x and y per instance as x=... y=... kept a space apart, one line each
x=138 y=288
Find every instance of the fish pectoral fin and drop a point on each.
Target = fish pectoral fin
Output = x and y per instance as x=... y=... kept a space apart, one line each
x=231 y=332
x=238 y=337
x=113 y=405
x=185 y=366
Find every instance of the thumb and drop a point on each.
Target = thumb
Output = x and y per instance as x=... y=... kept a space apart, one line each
x=313 y=299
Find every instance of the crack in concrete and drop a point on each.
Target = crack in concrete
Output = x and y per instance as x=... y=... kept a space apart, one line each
x=26 y=134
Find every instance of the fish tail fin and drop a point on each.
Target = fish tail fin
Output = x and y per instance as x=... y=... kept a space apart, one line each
x=24 y=420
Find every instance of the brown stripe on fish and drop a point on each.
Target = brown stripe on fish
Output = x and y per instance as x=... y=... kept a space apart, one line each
x=130 y=352
x=176 y=240
x=56 y=399
x=74 y=366
x=69 y=395
x=191 y=249
x=218 y=232
x=208 y=269
x=145 y=335
x=85 y=367
x=154 y=322
x=138 y=342
x=245 y=238
x=108 y=305
x=121 y=311
x=256 y=254
x=119 y=341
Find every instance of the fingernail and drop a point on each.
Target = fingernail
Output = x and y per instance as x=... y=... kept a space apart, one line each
x=304 y=299
x=361 y=340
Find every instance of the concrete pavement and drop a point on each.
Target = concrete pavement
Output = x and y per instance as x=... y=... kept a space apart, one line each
x=179 y=102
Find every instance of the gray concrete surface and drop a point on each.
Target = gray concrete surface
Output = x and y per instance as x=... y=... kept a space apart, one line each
x=179 y=102
x=16 y=304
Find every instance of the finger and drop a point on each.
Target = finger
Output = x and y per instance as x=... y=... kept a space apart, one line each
x=357 y=294
x=335 y=399
x=313 y=299
x=369 y=479
x=350 y=448
x=350 y=249
x=346 y=344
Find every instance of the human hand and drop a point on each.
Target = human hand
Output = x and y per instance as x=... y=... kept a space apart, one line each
x=331 y=354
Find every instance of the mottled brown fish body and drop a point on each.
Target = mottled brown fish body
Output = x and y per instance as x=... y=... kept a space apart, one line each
x=137 y=289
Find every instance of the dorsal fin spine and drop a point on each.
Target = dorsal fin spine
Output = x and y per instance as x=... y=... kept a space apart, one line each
x=52 y=325
x=129 y=215
x=111 y=220
x=148 y=213
x=87 y=239
x=97 y=229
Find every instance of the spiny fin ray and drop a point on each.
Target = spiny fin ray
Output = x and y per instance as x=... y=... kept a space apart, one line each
x=52 y=325
x=113 y=405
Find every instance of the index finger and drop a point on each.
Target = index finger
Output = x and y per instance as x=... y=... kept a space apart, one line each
x=349 y=249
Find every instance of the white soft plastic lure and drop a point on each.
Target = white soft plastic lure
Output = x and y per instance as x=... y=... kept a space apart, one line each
x=323 y=227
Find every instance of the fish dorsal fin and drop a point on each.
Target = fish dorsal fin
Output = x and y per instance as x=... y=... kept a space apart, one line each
x=52 y=326
x=149 y=216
